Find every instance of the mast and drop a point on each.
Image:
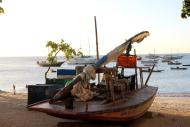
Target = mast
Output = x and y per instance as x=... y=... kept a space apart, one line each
x=88 y=47
x=97 y=49
x=96 y=32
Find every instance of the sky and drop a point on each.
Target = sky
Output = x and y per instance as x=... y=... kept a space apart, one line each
x=27 y=25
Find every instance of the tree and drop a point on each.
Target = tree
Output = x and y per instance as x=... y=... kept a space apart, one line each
x=185 y=12
x=1 y=9
x=65 y=48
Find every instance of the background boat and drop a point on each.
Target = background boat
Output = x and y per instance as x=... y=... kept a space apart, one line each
x=148 y=70
x=186 y=64
x=82 y=60
x=149 y=61
x=152 y=56
x=47 y=64
x=178 y=68
x=174 y=63
x=171 y=57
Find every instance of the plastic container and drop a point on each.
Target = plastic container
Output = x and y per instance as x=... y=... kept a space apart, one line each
x=127 y=61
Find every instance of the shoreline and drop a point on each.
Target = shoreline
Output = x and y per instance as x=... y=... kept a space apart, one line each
x=157 y=95
x=173 y=95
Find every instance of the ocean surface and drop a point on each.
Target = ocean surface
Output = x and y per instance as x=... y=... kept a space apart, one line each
x=22 y=71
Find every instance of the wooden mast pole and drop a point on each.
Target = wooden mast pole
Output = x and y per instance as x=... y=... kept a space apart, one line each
x=136 y=70
x=96 y=32
x=97 y=49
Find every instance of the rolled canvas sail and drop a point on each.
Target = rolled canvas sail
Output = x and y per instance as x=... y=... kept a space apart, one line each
x=121 y=48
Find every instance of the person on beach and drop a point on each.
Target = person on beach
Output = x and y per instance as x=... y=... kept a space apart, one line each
x=14 y=90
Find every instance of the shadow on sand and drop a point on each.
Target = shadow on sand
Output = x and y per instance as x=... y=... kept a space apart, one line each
x=149 y=119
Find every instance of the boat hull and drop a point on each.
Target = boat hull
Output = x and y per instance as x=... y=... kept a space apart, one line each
x=45 y=64
x=117 y=116
x=123 y=110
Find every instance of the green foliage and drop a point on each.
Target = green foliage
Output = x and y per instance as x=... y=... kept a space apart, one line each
x=185 y=12
x=1 y=9
x=65 y=48
x=79 y=53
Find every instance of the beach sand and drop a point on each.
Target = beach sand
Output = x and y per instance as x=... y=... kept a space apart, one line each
x=165 y=112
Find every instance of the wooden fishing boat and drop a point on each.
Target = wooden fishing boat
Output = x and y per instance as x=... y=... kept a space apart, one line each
x=47 y=64
x=123 y=103
x=132 y=106
x=116 y=98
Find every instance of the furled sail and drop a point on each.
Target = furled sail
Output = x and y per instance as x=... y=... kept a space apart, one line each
x=121 y=48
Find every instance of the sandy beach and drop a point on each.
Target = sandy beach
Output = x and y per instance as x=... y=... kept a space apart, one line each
x=164 y=112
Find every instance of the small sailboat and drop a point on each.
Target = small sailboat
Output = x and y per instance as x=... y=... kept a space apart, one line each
x=152 y=56
x=171 y=57
x=82 y=60
x=45 y=63
x=149 y=61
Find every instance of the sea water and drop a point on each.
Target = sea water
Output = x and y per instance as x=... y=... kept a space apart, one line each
x=22 y=71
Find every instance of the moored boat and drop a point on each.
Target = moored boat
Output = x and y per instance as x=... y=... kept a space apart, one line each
x=186 y=64
x=47 y=64
x=152 y=56
x=134 y=105
x=149 y=65
x=167 y=58
x=149 y=70
x=116 y=98
x=139 y=58
x=149 y=61
x=174 y=63
x=178 y=68
x=82 y=60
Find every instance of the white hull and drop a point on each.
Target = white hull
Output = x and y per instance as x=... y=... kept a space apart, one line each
x=80 y=60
